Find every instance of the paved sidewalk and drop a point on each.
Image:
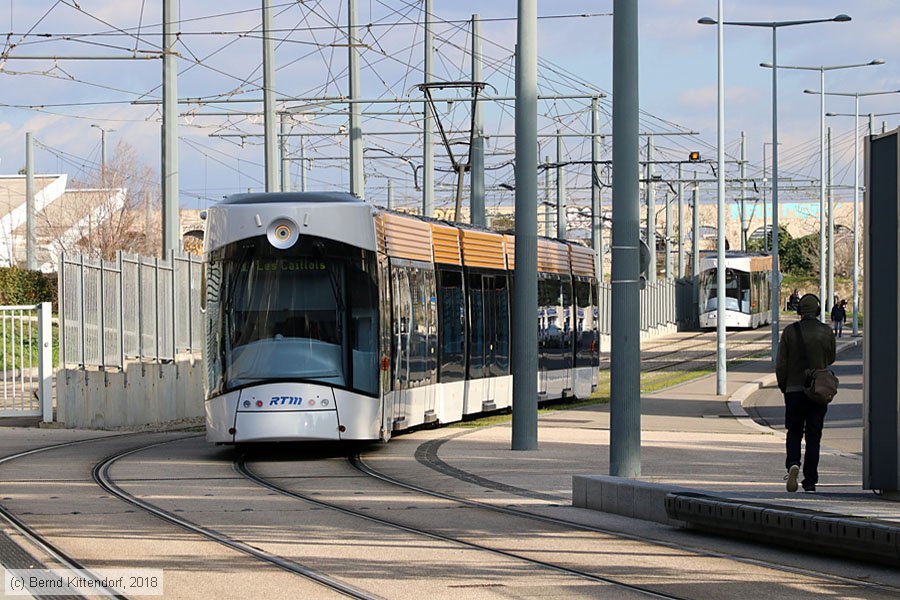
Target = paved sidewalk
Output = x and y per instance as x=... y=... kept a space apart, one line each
x=693 y=442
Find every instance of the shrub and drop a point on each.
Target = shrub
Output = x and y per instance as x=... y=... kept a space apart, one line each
x=19 y=286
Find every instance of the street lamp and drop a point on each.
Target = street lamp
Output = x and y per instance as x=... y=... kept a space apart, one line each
x=103 y=133
x=776 y=276
x=856 y=96
x=823 y=300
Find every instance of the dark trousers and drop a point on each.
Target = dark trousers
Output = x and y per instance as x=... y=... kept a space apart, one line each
x=803 y=416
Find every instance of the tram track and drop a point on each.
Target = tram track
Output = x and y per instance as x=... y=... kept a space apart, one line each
x=359 y=464
x=100 y=474
x=241 y=467
x=36 y=538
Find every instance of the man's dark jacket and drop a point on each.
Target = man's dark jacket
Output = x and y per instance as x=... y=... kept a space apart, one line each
x=838 y=313
x=790 y=366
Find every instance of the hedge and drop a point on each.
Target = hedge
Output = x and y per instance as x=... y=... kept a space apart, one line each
x=20 y=286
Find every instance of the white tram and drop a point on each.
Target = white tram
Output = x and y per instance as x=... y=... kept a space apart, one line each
x=329 y=319
x=748 y=290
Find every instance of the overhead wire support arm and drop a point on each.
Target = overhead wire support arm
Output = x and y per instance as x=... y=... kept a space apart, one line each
x=459 y=167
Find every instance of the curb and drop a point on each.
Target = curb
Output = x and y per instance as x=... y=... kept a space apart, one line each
x=736 y=400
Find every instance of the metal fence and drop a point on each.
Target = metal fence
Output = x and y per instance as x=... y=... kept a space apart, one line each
x=27 y=362
x=130 y=308
x=657 y=305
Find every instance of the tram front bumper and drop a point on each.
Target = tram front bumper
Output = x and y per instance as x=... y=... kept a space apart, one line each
x=296 y=425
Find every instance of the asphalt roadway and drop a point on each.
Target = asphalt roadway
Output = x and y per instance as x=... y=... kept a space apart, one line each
x=843 y=422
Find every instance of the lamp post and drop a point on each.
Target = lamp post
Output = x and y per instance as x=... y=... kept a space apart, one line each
x=776 y=276
x=822 y=70
x=856 y=96
x=766 y=238
x=103 y=133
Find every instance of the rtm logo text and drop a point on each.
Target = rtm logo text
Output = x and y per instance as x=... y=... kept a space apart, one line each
x=281 y=400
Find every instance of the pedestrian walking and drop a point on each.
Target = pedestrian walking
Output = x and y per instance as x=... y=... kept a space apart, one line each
x=838 y=316
x=806 y=346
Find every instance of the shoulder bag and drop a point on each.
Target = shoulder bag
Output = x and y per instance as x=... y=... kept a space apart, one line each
x=821 y=384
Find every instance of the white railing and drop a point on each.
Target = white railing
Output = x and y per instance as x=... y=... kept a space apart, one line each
x=26 y=383
x=657 y=305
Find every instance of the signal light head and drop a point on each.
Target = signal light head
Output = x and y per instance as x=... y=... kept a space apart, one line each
x=694 y=156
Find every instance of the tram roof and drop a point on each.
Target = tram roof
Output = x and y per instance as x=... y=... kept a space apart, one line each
x=291 y=197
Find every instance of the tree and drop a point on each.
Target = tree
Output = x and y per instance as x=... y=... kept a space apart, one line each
x=114 y=210
x=801 y=256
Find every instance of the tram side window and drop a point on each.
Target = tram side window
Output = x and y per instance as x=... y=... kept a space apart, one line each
x=402 y=314
x=213 y=283
x=429 y=296
x=452 y=326
x=364 y=330
x=476 y=326
x=418 y=334
x=584 y=324
x=500 y=341
x=567 y=356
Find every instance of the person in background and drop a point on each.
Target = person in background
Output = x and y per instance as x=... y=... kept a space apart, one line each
x=802 y=416
x=838 y=316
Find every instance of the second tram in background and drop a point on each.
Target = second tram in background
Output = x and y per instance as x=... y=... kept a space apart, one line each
x=748 y=289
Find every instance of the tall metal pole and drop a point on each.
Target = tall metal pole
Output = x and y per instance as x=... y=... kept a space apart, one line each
x=103 y=155
x=668 y=245
x=304 y=166
x=680 y=222
x=744 y=224
x=823 y=279
x=271 y=135
x=357 y=181
x=776 y=274
x=856 y=218
x=476 y=207
x=285 y=159
x=695 y=229
x=651 y=212
x=546 y=217
x=871 y=124
x=30 y=216
x=765 y=216
x=721 y=387
x=625 y=358
x=428 y=122
x=560 y=190
x=596 y=203
x=390 y=194
x=171 y=237
x=830 y=227
x=525 y=307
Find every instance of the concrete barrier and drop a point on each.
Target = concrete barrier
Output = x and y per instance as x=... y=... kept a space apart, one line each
x=143 y=394
x=626 y=497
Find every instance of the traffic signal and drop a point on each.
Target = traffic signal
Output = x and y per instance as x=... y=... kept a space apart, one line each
x=694 y=156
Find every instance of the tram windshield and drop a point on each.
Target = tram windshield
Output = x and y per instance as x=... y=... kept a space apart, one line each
x=307 y=314
x=737 y=291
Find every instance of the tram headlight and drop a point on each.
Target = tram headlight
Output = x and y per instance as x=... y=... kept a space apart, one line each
x=282 y=233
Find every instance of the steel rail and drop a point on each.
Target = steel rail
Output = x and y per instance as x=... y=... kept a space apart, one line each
x=240 y=466
x=101 y=476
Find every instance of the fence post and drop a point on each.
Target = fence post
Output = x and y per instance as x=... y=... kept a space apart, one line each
x=173 y=264
x=156 y=304
x=121 y=268
x=100 y=299
x=81 y=355
x=45 y=360
x=60 y=300
x=190 y=315
x=140 y=307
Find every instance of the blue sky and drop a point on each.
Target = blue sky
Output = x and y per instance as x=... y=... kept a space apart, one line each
x=678 y=69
